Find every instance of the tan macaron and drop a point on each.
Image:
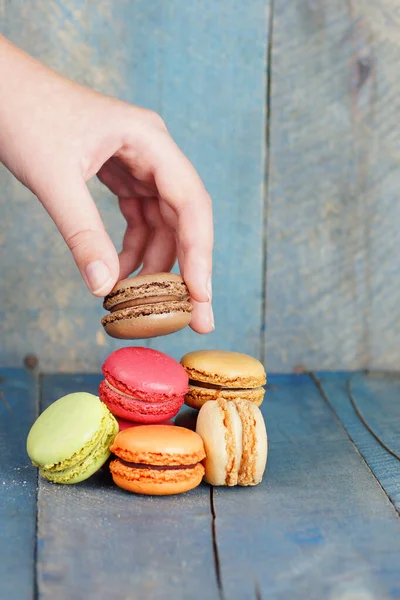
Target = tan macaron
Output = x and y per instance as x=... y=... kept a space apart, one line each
x=235 y=441
x=217 y=374
x=147 y=306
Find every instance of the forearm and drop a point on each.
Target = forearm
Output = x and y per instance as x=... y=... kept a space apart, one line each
x=28 y=98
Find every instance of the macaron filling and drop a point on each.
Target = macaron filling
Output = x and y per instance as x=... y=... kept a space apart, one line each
x=231 y=467
x=143 y=301
x=165 y=407
x=152 y=292
x=130 y=396
x=93 y=455
x=214 y=386
x=247 y=469
x=156 y=467
x=146 y=310
x=118 y=387
x=156 y=474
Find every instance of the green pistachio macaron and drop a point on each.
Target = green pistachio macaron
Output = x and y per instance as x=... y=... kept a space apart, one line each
x=71 y=439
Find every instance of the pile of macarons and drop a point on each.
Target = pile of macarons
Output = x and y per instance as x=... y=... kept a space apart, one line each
x=155 y=447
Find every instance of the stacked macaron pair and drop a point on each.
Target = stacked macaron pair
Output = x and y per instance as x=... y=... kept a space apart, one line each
x=218 y=374
x=144 y=389
x=227 y=389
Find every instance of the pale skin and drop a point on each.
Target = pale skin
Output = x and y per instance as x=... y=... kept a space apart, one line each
x=55 y=135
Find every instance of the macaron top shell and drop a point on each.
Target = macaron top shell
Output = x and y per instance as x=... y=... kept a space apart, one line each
x=220 y=367
x=65 y=427
x=144 y=372
x=147 y=286
x=159 y=445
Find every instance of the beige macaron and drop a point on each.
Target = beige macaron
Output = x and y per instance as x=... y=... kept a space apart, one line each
x=147 y=306
x=217 y=374
x=235 y=441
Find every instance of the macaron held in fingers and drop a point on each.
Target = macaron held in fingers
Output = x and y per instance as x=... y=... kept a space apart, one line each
x=157 y=460
x=71 y=439
x=217 y=374
x=235 y=441
x=147 y=306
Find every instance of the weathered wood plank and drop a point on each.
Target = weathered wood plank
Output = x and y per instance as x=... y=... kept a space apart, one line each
x=201 y=65
x=18 y=410
x=319 y=526
x=377 y=398
x=333 y=217
x=96 y=541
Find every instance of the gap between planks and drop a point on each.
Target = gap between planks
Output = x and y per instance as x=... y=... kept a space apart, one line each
x=325 y=397
x=268 y=86
x=364 y=421
x=35 y=554
x=215 y=545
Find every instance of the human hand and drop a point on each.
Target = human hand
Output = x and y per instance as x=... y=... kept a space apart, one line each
x=55 y=135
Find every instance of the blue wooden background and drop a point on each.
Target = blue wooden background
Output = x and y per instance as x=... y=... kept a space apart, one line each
x=290 y=112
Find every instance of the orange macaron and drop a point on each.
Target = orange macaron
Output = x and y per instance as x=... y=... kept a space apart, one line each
x=157 y=460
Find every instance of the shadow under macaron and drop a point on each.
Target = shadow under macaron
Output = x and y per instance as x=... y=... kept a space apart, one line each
x=187 y=417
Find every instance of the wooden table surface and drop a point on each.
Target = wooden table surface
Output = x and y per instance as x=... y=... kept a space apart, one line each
x=323 y=524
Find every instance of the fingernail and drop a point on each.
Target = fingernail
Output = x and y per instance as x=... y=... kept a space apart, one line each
x=98 y=275
x=209 y=288
x=212 y=317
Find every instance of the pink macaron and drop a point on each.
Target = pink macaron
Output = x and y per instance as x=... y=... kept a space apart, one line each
x=143 y=385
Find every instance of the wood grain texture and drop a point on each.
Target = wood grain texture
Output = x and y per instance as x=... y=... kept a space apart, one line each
x=201 y=65
x=18 y=410
x=377 y=399
x=333 y=214
x=319 y=525
x=97 y=541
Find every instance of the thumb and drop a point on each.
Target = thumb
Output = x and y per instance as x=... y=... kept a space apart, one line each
x=73 y=210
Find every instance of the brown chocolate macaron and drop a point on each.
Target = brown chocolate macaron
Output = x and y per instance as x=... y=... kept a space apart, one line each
x=217 y=374
x=147 y=306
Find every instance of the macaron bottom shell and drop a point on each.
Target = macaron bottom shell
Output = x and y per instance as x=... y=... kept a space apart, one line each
x=136 y=410
x=77 y=474
x=152 y=320
x=156 y=482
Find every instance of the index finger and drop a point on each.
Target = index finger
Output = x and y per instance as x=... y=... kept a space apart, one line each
x=179 y=186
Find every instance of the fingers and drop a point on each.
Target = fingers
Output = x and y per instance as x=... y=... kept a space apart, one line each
x=148 y=238
x=136 y=236
x=202 y=321
x=160 y=253
x=72 y=209
x=122 y=184
x=180 y=187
